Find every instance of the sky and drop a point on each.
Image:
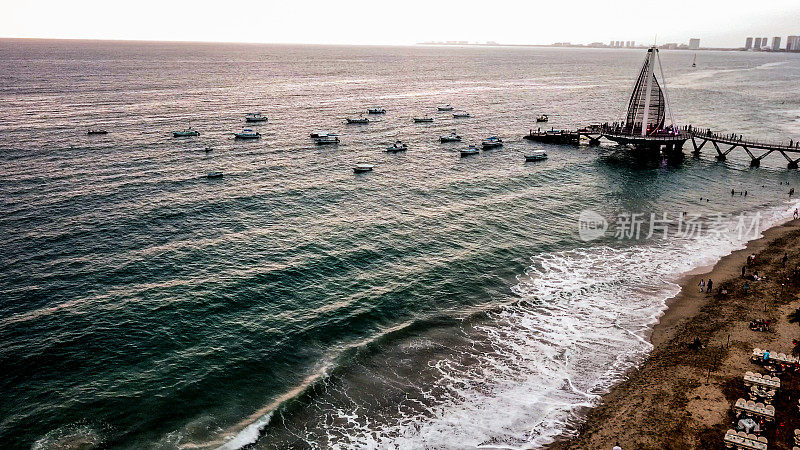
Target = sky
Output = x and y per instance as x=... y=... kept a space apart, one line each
x=400 y=22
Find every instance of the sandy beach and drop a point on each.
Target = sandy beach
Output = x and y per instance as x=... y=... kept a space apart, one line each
x=681 y=398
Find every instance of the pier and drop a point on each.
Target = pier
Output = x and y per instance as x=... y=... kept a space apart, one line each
x=734 y=141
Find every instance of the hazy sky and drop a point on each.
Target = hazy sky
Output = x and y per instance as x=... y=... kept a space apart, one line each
x=716 y=22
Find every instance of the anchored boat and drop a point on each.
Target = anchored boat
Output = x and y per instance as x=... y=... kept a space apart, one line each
x=492 y=142
x=327 y=140
x=452 y=137
x=361 y=168
x=254 y=117
x=215 y=174
x=360 y=120
x=247 y=133
x=542 y=118
x=398 y=146
x=461 y=115
x=376 y=110
x=471 y=150
x=189 y=132
x=445 y=108
x=96 y=131
x=536 y=155
x=425 y=119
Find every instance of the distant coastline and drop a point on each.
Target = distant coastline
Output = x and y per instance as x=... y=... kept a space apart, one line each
x=567 y=45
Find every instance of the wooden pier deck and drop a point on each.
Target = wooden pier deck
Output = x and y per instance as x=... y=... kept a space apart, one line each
x=737 y=141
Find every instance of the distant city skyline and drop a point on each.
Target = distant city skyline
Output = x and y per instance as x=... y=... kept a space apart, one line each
x=716 y=23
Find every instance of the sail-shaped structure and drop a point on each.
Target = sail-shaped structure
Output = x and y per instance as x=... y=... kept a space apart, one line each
x=647 y=106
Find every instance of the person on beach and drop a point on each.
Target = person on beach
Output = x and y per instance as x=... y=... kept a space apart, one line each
x=746 y=286
x=785 y=258
x=744 y=271
x=702 y=285
x=709 y=286
x=795 y=213
x=617 y=447
x=766 y=355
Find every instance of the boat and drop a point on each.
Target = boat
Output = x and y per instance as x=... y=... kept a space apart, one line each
x=461 y=115
x=96 y=131
x=694 y=61
x=318 y=134
x=247 y=133
x=358 y=120
x=376 y=110
x=361 y=168
x=398 y=146
x=453 y=137
x=542 y=118
x=536 y=155
x=254 y=117
x=471 y=150
x=189 y=132
x=215 y=174
x=425 y=119
x=209 y=149
x=327 y=140
x=445 y=108
x=492 y=142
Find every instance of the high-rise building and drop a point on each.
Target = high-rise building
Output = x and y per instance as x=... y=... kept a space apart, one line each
x=757 y=44
x=764 y=42
x=610 y=43
x=748 y=43
x=694 y=44
x=776 y=43
x=793 y=44
x=633 y=43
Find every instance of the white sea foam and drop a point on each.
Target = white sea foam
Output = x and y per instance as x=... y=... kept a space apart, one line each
x=582 y=322
x=249 y=435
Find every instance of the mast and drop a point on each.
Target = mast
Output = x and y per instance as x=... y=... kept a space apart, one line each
x=648 y=88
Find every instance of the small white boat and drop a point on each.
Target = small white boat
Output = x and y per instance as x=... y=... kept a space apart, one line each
x=376 y=110
x=362 y=120
x=536 y=155
x=542 y=118
x=445 y=108
x=471 y=150
x=254 y=117
x=398 y=146
x=453 y=137
x=96 y=131
x=215 y=174
x=461 y=115
x=425 y=119
x=361 y=168
x=247 y=133
x=189 y=132
x=319 y=133
x=492 y=142
x=327 y=140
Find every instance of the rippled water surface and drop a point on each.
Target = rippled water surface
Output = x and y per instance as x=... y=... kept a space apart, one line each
x=438 y=302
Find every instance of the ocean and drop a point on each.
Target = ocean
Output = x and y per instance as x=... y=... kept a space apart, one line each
x=437 y=302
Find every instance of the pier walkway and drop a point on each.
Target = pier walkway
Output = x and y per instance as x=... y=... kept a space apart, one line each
x=733 y=141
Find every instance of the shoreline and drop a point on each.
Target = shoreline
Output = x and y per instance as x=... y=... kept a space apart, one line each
x=665 y=396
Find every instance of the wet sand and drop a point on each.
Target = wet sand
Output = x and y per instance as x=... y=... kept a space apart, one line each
x=681 y=398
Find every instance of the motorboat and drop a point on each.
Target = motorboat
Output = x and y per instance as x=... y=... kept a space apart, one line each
x=492 y=142
x=318 y=134
x=423 y=119
x=376 y=110
x=327 y=140
x=189 y=132
x=362 y=120
x=445 y=108
x=96 y=132
x=362 y=168
x=452 y=137
x=398 y=146
x=471 y=150
x=254 y=117
x=542 y=118
x=215 y=174
x=461 y=115
x=247 y=133
x=536 y=155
